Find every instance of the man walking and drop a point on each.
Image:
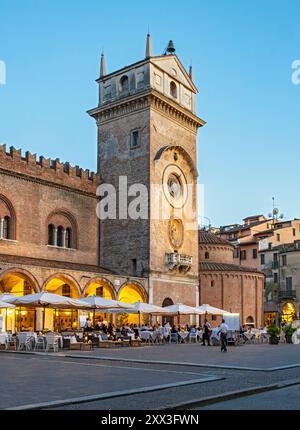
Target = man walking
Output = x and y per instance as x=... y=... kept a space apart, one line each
x=205 y=336
x=223 y=331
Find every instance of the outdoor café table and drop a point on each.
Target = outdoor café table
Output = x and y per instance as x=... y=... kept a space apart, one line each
x=146 y=335
x=183 y=335
x=131 y=336
x=249 y=337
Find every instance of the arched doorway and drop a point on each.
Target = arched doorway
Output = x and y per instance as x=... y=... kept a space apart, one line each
x=19 y=283
x=250 y=321
x=131 y=293
x=61 y=319
x=288 y=312
x=102 y=288
x=168 y=319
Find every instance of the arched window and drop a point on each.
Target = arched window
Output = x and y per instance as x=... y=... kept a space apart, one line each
x=99 y=291
x=66 y=290
x=212 y=283
x=173 y=89
x=68 y=238
x=206 y=255
x=6 y=227
x=60 y=234
x=62 y=229
x=124 y=84
x=51 y=234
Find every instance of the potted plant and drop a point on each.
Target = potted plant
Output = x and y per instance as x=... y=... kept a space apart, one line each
x=289 y=330
x=273 y=332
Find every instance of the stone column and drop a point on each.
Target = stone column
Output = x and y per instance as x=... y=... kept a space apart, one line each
x=64 y=238
x=39 y=319
x=55 y=237
x=1 y=228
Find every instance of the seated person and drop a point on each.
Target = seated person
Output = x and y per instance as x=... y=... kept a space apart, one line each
x=136 y=330
x=98 y=325
x=174 y=332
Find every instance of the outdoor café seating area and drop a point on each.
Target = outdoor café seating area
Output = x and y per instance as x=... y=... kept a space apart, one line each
x=90 y=330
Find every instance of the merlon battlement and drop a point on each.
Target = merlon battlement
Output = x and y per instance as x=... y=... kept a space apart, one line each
x=47 y=169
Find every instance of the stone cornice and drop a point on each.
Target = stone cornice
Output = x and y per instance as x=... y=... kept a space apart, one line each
x=53 y=264
x=147 y=99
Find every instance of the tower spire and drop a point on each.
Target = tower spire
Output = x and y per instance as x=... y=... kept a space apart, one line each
x=191 y=72
x=148 y=47
x=102 y=65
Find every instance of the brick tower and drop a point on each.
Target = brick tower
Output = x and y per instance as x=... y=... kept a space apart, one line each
x=147 y=130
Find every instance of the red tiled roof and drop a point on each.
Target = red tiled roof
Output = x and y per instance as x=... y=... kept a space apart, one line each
x=206 y=237
x=224 y=267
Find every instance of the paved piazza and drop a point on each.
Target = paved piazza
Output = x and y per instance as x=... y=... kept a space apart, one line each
x=151 y=377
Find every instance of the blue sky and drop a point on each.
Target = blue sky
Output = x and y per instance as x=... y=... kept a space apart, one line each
x=241 y=53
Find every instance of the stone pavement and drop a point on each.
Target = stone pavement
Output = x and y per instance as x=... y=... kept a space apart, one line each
x=279 y=400
x=145 y=384
x=260 y=356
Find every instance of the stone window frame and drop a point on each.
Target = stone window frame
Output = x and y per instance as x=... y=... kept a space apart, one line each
x=123 y=89
x=173 y=90
x=70 y=238
x=9 y=218
x=135 y=130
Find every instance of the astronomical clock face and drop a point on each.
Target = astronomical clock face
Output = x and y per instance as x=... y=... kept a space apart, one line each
x=175 y=186
x=176 y=232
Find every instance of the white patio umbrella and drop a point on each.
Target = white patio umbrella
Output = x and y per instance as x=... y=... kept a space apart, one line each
x=207 y=309
x=181 y=309
x=47 y=300
x=145 y=308
x=97 y=302
x=6 y=296
x=6 y=305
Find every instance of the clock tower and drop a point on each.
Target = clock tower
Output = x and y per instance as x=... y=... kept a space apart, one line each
x=147 y=128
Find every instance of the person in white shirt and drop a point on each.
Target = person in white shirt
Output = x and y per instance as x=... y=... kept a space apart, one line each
x=223 y=329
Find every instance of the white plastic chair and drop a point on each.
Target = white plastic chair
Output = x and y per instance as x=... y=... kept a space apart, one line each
x=174 y=338
x=51 y=342
x=24 y=341
x=39 y=343
x=193 y=336
x=4 y=340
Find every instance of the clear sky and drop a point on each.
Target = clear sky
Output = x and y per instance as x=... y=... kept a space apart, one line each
x=241 y=51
